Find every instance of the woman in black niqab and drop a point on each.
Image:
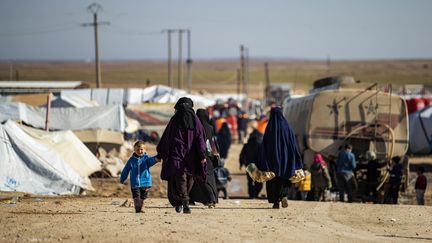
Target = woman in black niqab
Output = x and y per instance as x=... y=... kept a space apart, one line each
x=206 y=191
x=184 y=113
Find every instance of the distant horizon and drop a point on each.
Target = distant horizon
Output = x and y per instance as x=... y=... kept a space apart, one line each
x=174 y=60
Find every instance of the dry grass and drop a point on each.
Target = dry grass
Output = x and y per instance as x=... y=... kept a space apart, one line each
x=220 y=75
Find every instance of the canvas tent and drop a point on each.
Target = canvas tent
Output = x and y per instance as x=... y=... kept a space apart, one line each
x=96 y=138
x=107 y=117
x=69 y=147
x=420 y=129
x=29 y=166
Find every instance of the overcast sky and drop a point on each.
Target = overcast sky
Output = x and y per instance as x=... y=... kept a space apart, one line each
x=341 y=29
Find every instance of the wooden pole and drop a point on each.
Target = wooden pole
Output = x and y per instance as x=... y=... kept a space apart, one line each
x=48 y=110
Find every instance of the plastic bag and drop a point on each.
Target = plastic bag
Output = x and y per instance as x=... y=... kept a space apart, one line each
x=258 y=175
x=299 y=175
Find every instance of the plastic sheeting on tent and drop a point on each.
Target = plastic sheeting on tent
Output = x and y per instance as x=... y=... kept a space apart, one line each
x=155 y=93
x=108 y=117
x=29 y=166
x=165 y=94
x=420 y=129
x=69 y=147
x=76 y=101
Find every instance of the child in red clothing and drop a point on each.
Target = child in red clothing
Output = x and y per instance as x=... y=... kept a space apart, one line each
x=420 y=186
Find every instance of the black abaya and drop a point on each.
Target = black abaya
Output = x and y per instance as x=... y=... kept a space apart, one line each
x=277 y=188
x=205 y=191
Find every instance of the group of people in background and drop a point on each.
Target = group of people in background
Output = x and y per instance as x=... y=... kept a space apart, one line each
x=194 y=147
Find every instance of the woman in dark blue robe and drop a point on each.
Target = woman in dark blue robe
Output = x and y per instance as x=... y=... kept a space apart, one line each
x=280 y=155
x=182 y=148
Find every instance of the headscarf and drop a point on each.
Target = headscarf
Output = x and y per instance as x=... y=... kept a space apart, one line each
x=203 y=116
x=318 y=159
x=185 y=115
x=280 y=150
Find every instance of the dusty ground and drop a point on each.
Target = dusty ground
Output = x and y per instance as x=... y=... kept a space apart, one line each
x=99 y=217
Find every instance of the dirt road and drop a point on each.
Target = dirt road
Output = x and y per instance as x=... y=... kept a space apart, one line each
x=99 y=217
x=96 y=219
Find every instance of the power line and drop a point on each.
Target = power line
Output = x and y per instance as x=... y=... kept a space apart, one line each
x=125 y=31
x=40 y=32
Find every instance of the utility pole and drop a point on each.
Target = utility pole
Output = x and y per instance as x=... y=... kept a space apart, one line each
x=267 y=79
x=246 y=86
x=238 y=82
x=169 y=32
x=328 y=64
x=189 y=61
x=242 y=67
x=94 y=8
x=180 y=63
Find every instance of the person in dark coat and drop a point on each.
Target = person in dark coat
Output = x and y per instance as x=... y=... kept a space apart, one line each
x=182 y=148
x=205 y=191
x=396 y=173
x=242 y=120
x=224 y=140
x=251 y=153
x=280 y=155
x=372 y=176
x=333 y=172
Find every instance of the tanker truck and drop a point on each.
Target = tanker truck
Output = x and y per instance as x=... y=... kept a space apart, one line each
x=339 y=110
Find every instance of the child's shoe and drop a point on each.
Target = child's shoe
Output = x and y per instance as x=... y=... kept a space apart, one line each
x=138 y=204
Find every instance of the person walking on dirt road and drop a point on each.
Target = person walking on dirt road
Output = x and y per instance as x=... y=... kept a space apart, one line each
x=182 y=148
x=280 y=155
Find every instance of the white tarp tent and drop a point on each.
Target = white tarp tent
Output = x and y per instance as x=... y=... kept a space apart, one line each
x=29 y=166
x=420 y=130
x=155 y=93
x=165 y=94
x=108 y=117
x=69 y=147
x=76 y=101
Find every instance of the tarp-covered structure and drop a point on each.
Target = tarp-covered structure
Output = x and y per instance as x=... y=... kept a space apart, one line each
x=95 y=138
x=152 y=94
x=420 y=129
x=27 y=165
x=69 y=147
x=104 y=117
x=76 y=101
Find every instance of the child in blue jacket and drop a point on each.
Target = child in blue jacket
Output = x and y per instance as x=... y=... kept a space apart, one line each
x=140 y=178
